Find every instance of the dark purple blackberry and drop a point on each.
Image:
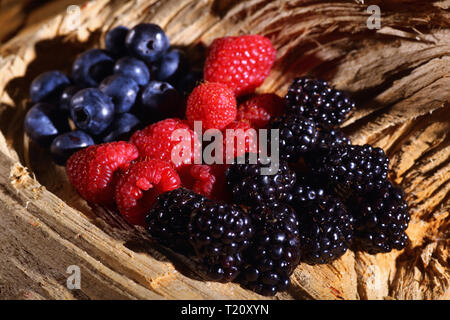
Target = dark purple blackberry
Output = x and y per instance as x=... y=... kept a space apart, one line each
x=248 y=184
x=316 y=99
x=326 y=229
x=308 y=188
x=297 y=136
x=381 y=219
x=167 y=221
x=329 y=137
x=219 y=233
x=275 y=251
x=357 y=168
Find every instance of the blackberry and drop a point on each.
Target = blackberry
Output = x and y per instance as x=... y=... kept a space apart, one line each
x=297 y=136
x=167 y=221
x=357 y=168
x=326 y=229
x=275 y=251
x=381 y=218
x=249 y=186
x=307 y=189
x=219 y=233
x=328 y=138
x=316 y=99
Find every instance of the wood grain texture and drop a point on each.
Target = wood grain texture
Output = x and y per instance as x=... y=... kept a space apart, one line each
x=399 y=76
x=18 y=15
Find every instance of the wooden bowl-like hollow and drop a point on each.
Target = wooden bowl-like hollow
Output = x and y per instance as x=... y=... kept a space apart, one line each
x=398 y=74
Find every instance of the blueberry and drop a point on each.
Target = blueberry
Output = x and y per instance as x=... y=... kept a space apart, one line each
x=48 y=86
x=171 y=65
x=43 y=122
x=92 y=110
x=66 y=144
x=91 y=67
x=122 y=90
x=189 y=81
x=159 y=100
x=122 y=127
x=66 y=96
x=115 y=41
x=133 y=68
x=147 y=41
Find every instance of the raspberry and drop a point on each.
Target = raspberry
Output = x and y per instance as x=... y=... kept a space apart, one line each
x=155 y=141
x=245 y=139
x=92 y=171
x=219 y=233
x=197 y=177
x=204 y=179
x=207 y=180
x=242 y=63
x=259 y=109
x=139 y=186
x=220 y=191
x=213 y=104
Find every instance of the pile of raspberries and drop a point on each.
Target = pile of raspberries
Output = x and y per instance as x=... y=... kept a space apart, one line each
x=327 y=195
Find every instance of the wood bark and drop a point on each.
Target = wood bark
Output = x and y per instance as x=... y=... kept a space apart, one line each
x=398 y=75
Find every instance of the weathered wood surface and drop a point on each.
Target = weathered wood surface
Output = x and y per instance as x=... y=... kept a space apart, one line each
x=399 y=76
x=18 y=15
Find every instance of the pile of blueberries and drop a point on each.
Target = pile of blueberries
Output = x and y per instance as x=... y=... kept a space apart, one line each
x=138 y=79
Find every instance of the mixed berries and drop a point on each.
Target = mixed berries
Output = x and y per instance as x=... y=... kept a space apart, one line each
x=125 y=125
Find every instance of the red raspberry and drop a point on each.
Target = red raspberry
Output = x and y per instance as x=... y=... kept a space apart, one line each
x=208 y=180
x=243 y=131
x=219 y=190
x=139 y=186
x=155 y=141
x=260 y=109
x=197 y=177
x=92 y=171
x=242 y=63
x=213 y=104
